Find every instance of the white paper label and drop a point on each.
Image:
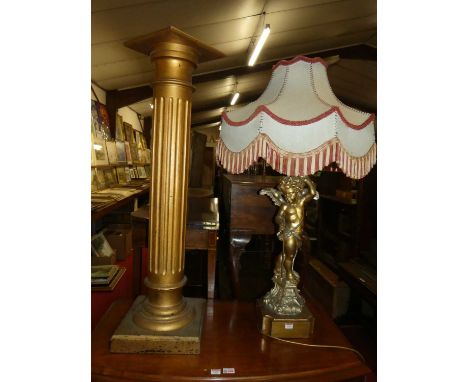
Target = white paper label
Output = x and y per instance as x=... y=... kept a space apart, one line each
x=229 y=370
x=215 y=371
x=288 y=326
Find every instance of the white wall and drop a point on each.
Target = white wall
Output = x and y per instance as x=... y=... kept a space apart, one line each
x=129 y=116
x=100 y=93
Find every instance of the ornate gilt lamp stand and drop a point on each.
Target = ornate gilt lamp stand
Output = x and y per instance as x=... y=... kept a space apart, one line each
x=164 y=321
x=283 y=310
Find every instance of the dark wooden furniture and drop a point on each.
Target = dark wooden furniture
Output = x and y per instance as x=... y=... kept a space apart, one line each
x=230 y=339
x=247 y=213
x=202 y=233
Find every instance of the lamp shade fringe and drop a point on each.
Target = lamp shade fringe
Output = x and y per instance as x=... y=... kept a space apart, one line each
x=296 y=164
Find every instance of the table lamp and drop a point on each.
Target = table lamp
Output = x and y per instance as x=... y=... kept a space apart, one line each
x=298 y=126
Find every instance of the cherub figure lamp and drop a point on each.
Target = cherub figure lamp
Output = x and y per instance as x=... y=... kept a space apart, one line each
x=299 y=127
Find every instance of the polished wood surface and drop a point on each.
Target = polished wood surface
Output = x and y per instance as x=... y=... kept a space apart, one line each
x=202 y=231
x=230 y=339
x=247 y=213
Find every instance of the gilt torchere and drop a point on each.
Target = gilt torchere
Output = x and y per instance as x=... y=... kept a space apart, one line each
x=299 y=127
x=164 y=321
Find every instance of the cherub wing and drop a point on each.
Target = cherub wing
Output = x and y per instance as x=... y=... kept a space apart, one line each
x=274 y=194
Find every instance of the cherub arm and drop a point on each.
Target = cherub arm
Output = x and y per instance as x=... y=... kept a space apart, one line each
x=311 y=193
x=275 y=195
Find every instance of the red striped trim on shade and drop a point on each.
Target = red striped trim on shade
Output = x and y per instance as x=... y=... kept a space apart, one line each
x=301 y=58
x=296 y=164
x=266 y=110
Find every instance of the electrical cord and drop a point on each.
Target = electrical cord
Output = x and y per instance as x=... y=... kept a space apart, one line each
x=319 y=346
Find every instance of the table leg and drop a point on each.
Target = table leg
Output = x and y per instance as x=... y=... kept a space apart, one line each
x=238 y=242
x=212 y=239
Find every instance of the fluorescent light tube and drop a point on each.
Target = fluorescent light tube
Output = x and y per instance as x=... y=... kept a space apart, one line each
x=259 y=46
x=97 y=147
x=234 y=98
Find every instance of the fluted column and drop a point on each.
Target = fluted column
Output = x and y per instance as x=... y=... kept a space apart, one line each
x=174 y=56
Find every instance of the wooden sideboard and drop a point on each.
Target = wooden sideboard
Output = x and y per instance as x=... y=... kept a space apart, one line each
x=232 y=349
x=247 y=213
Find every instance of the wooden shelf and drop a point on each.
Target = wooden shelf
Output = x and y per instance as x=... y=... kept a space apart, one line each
x=119 y=165
x=100 y=212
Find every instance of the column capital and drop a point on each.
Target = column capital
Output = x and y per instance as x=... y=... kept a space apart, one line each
x=173 y=43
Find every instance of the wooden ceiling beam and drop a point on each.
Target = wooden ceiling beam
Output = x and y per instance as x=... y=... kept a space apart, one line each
x=128 y=96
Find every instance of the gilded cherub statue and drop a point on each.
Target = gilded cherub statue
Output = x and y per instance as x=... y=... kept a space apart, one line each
x=291 y=196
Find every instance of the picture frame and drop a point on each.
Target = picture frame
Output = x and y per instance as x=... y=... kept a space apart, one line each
x=100 y=247
x=101 y=179
x=110 y=177
x=128 y=153
x=129 y=135
x=138 y=140
x=127 y=174
x=134 y=153
x=121 y=175
x=119 y=128
x=94 y=181
x=111 y=152
x=120 y=150
x=99 y=150
x=148 y=155
x=143 y=141
x=141 y=172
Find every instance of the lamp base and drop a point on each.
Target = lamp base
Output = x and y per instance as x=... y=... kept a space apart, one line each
x=130 y=338
x=285 y=326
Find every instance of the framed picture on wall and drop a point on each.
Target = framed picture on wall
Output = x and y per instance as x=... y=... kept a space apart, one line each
x=143 y=141
x=141 y=172
x=101 y=179
x=138 y=139
x=94 y=181
x=119 y=128
x=99 y=151
x=134 y=152
x=111 y=152
x=111 y=178
x=127 y=174
x=130 y=137
x=128 y=153
x=121 y=176
x=120 y=149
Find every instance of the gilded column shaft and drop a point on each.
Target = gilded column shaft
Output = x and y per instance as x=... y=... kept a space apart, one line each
x=169 y=186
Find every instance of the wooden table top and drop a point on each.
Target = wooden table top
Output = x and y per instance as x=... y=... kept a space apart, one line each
x=202 y=213
x=230 y=339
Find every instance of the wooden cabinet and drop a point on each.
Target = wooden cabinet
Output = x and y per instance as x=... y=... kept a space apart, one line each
x=341 y=269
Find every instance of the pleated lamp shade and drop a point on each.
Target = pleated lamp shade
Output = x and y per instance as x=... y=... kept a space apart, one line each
x=298 y=126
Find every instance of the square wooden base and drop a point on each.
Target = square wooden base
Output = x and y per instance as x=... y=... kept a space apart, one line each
x=130 y=338
x=274 y=325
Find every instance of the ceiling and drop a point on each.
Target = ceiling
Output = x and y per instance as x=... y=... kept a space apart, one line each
x=347 y=28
